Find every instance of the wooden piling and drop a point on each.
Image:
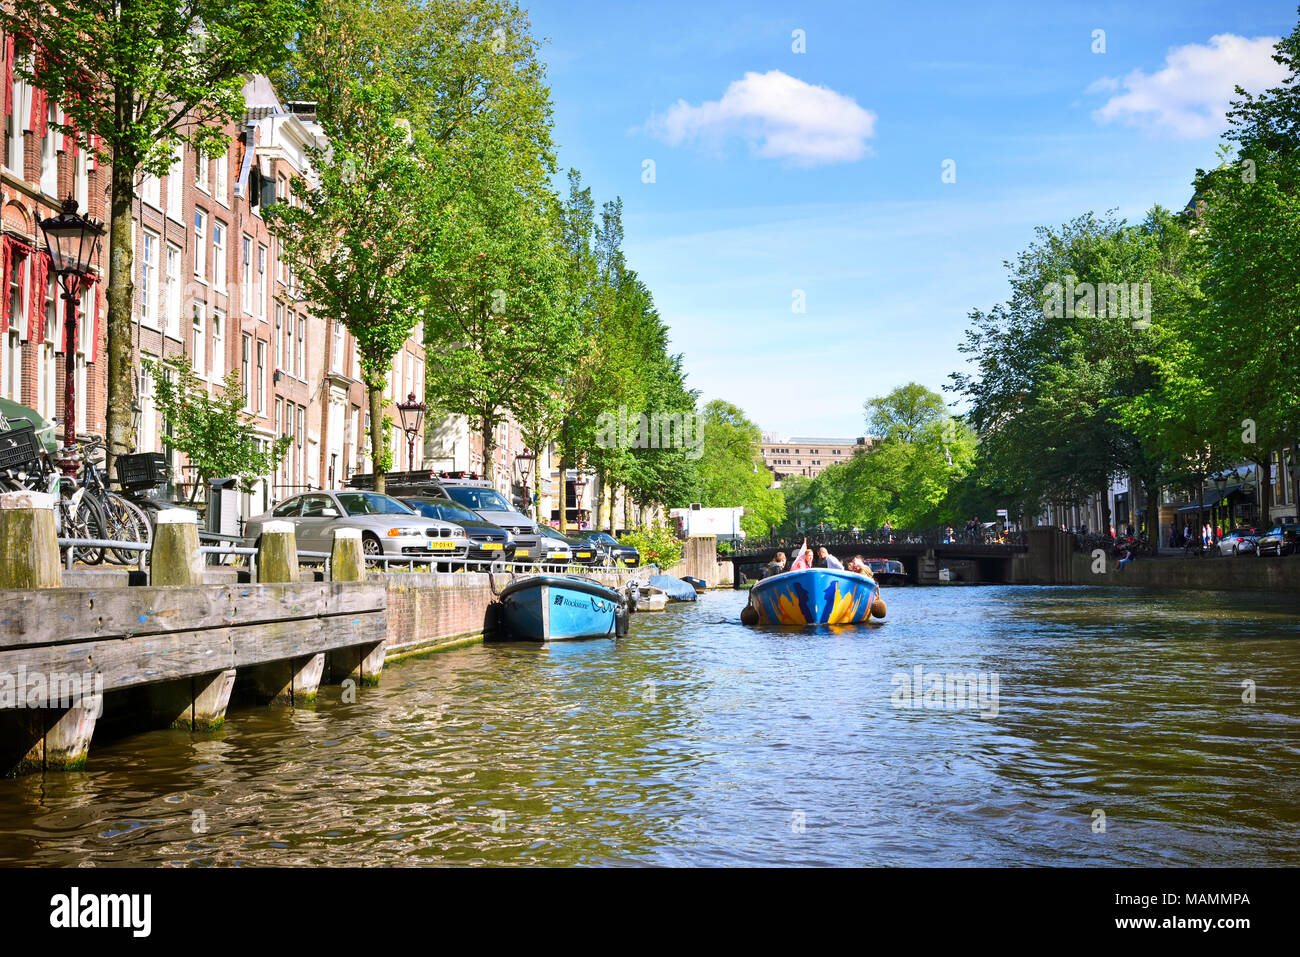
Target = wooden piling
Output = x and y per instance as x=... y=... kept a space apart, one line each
x=347 y=562
x=277 y=553
x=29 y=543
x=174 y=558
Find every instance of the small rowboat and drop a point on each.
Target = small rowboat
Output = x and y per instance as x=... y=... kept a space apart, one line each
x=558 y=608
x=815 y=596
x=887 y=571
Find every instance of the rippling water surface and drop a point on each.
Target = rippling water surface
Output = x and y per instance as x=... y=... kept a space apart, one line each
x=698 y=741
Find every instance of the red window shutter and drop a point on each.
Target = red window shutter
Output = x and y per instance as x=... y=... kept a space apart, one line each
x=40 y=112
x=4 y=290
x=36 y=325
x=9 y=75
x=99 y=308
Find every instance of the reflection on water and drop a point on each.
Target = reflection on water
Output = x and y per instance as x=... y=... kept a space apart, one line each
x=698 y=741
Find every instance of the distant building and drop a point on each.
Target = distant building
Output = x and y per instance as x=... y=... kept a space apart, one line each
x=807 y=456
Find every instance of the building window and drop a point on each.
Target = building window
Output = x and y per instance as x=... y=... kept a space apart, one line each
x=219 y=255
x=288 y=342
x=49 y=159
x=261 y=281
x=223 y=177
x=176 y=184
x=147 y=439
x=302 y=348
x=246 y=275
x=279 y=336
x=261 y=376
x=200 y=244
x=149 y=279
x=14 y=126
x=173 y=281
x=81 y=180
x=245 y=371
x=149 y=191
x=197 y=340
x=218 y=345
x=201 y=173
x=336 y=352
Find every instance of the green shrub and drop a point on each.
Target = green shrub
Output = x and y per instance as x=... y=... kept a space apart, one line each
x=657 y=545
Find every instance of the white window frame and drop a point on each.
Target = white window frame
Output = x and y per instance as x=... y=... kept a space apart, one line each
x=176 y=185
x=149 y=243
x=203 y=164
x=173 y=257
x=219 y=263
x=198 y=338
x=200 y=245
x=246 y=274
x=218 y=364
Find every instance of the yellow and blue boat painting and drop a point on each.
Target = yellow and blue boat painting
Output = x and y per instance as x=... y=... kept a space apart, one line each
x=814 y=596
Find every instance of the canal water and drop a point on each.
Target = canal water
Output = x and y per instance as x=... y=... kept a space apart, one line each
x=1119 y=731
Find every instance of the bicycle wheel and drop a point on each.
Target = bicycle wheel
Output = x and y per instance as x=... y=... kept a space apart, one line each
x=87 y=521
x=125 y=522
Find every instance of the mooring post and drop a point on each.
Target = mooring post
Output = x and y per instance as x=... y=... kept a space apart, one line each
x=174 y=558
x=293 y=681
x=347 y=564
x=29 y=543
x=277 y=553
x=193 y=704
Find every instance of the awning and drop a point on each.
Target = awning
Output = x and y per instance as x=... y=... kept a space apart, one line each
x=1212 y=498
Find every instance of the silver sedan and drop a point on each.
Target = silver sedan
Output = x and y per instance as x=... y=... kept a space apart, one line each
x=387 y=526
x=1239 y=541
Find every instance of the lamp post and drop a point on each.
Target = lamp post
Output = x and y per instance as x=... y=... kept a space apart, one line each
x=1221 y=486
x=524 y=462
x=72 y=241
x=412 y=413
x=579 y=486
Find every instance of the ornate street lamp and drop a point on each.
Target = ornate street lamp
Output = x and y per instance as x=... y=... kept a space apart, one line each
x=72 y=242
x=412 y=413
x=524 y=463
x=579 y=486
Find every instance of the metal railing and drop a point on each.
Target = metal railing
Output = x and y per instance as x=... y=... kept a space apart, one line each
x=898 y=536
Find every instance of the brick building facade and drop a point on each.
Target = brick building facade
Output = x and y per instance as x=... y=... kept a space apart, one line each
x=210 y=284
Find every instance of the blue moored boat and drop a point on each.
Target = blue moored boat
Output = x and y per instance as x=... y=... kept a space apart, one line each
x=814 y=596
x=558 y=608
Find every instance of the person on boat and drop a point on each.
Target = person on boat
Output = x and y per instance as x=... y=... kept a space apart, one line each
x=802 y=560
x=827 y=560
x=776 y=566
x=859 y=565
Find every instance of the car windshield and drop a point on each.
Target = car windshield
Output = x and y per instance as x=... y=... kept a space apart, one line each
x=445 y=510
x=606 y=539
x=479 y=499
x=371 y=503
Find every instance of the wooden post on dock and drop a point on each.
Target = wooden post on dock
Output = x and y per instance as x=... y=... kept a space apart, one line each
x=347 y=563
x=294 y=681
x=29 y=543
x=174 y=558
x=277 y=553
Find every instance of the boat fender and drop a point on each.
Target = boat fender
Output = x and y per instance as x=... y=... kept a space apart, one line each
x=621 y=618
x=748 y=616
x=878 y=607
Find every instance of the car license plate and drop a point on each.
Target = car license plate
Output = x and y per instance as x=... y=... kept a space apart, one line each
x=630 y=561
x=521 y=553
x=492 y=546
x=442 y=545
x=556 y=555
x=584 y=554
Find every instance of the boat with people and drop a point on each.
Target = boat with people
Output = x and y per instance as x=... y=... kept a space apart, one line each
x=814 y=596
x=887 y=571
x=557 y=608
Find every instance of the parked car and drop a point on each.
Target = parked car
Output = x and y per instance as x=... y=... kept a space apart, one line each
x=387 y=526
x=583 y=549
x=613 y=552
x=1239 y=541
x=479 y=496
x=1280 y=540
x=487 y=541
x=551 y=548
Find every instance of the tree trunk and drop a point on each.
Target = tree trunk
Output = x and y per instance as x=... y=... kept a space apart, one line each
x=120 y=412
x=488 y=430
x=377 y=434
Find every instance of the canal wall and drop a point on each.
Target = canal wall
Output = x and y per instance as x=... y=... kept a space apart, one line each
x=1200 y=574
x=429 y=611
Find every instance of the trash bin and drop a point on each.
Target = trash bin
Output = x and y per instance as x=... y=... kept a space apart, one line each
x=223 y=506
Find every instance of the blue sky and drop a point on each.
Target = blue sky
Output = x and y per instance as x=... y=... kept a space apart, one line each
x=821 y=172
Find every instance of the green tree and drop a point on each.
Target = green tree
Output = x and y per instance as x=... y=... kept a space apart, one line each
x=731 y=471
x=134 y=78
x=212 y=431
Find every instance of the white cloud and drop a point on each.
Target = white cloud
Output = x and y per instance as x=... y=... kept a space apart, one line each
x=779 y=116
x=1190 y=95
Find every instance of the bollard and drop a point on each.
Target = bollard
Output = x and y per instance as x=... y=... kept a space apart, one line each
x=29 y=544
x=347 y=563
x=277 y=553
x=174 y=558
